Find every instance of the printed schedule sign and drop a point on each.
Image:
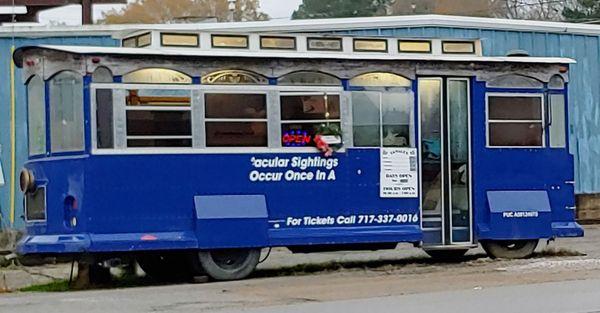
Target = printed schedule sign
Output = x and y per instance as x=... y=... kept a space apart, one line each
x=398 y=175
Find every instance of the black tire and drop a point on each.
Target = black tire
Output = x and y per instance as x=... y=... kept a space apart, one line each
x=453 y=255
x=168 y=266
x=509 y=249
x=99 y=275
x=229 y=264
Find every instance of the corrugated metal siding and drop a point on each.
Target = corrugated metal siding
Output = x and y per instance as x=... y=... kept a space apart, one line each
x=584 y=85
x=21 y=113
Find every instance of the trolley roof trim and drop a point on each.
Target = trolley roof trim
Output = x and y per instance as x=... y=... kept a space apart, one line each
x=233 y=53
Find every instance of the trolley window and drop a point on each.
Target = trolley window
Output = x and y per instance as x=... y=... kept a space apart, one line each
x=383 y=119
x=557 y=122
x=236 y=120
x=66 y=112
x=104 y=109
x=303 y=115
x=515 y=120
x=36 y=116
x=158 y=118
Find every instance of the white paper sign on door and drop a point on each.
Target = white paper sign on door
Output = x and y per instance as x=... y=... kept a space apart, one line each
x=399 y=173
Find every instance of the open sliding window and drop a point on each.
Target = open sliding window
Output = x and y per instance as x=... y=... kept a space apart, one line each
x=235 y=117
x=307 y=114
x=515 y=120
x=158 y=114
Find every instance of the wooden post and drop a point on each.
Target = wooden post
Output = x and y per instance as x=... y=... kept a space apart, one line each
x=86 y=12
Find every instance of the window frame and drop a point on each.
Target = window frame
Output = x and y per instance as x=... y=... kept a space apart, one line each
x=272 y=92
x=542 y=121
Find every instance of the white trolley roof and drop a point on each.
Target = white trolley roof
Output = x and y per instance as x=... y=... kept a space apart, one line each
x=238 y=53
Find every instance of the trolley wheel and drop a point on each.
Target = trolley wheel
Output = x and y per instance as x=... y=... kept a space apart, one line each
x=229 y=264
x=167 y=266
x=447 y=255
x=509 y=249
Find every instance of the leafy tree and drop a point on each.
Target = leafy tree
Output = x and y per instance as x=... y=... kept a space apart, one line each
x=340 y=8
x=582 y=11
x=165 y=11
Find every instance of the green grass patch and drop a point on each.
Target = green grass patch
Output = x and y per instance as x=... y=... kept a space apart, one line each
x=55 y=286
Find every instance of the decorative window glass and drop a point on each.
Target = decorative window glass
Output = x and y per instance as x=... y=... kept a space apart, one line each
x=156 y=76
x=514 y=81
x=158 y=118
x=66 y=112
x=179 y=40
x=379 y=79
x=303 y=115
x=36 y=116
x=556 y=82
x=414 y=46
x=515 y=120
x=325 y=44
x=383 y=119
x=234 y=77
x=458 y=47
x=229 y=41
x=236 y=120
x=308 y=78
x=144 y=40
x=104 y=109
x=370 y=45
x=130 y=42
x=284 y=43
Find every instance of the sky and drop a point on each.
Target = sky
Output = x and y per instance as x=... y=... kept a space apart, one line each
x=71 y=15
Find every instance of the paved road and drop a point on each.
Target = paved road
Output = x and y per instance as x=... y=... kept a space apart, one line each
x=582 y=296
x=562 y=297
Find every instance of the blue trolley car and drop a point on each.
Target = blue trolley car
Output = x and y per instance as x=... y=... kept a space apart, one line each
x=193 y=151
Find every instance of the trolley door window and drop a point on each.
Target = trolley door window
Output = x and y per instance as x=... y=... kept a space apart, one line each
x=66 y=112
x=158 y=118
x=236 y=120
x=303 y=116
x=383 y=119
x=515 y=120
x=36 y=116
x=558 y=130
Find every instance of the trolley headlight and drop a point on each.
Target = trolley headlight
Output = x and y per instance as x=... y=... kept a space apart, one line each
x=26 y=181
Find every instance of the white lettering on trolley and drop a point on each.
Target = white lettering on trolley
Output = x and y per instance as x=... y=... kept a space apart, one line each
x=295 y=169
x=520 y=214
x=357 y=219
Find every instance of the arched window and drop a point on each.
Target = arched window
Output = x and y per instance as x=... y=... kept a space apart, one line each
x=157 y=76
x=66 y=112
x=309 y=78
x=514 y=81
x=556 y=82
x=104 y=109
x=102 y=75
x=380 y=79
x=234 y=77
x=36 y=115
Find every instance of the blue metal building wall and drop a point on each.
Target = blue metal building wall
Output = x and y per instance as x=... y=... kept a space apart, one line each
x=584 y=88
x=21 y=113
